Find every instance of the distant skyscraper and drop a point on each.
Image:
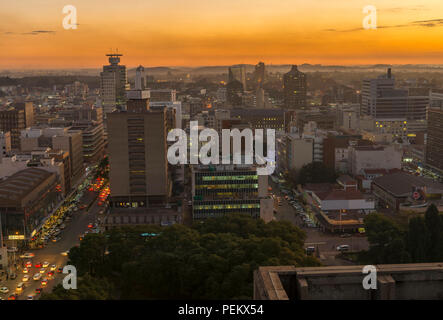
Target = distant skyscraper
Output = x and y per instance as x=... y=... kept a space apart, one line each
x=259 y=75
x=294 y=89
x=238 y=73
x=113 y=84
x=140 y=78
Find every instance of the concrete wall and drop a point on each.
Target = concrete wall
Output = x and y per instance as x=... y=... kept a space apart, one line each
x=394 y=282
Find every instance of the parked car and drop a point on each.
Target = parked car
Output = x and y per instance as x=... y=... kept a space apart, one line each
x=4 y=290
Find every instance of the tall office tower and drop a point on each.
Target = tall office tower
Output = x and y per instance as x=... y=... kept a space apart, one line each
x=14 y=121
x=234 y=93
x=394 y=108
x=373 y=88
x=259 y=75
x=113 y=84
x=138 y=158
x=434 y=144
x=238 y=73
x=140 y=78
x=294 y=89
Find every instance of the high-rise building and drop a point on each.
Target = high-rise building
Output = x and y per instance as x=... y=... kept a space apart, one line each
x=294 y=89
x=137 y=149
x=113 y=84
x=259 y=75
x=396 y=111
x=140 y=78
x=28 y=108
x=224 y=189
x=71 y=141
x=237 y=73
x=234 y=93
x=434 y=144
x=5 y=144
x=13 y=120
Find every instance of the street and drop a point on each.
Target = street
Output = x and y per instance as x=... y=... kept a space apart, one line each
x=52 y=251
x=324 y=243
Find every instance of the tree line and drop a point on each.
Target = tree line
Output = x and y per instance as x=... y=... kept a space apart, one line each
x=214 y=259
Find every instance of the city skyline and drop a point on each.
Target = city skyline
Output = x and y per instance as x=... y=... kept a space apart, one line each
x=170 y=33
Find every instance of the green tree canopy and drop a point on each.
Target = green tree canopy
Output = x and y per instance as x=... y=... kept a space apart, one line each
x=210 y=260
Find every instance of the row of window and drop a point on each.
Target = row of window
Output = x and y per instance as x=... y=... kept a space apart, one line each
x=227 y=206
x=227 y=186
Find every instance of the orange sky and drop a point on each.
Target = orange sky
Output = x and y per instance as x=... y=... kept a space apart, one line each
x=205 y=32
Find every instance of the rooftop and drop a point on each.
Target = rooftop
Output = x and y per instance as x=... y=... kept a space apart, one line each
x=21 y=183
x=401 y=183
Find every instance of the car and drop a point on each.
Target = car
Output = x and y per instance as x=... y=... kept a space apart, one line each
x=62 y=226
x=12 y=297
x=90 y=226
x=53 y=267
x=38 y=290
x=50 y=274
x=44 y=282
x=4 y=290
x=37 y=276
x=20 y=287
x=25 y=278
x=28 y=264
x=65 y=253
x=27 y=255
x=45 y=264
x=60 y=270
x=25 y=270
x=42 y=270
x=38 y=265
x=343 y=247
x=30 y=297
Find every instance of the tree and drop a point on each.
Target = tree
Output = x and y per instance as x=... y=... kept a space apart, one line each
x=210 y=260
x=435 y=228
x=418 y=240
x=386 y=240
x=315 y=172
x=88 y=288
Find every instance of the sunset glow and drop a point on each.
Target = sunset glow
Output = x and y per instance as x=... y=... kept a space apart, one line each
x=196 y=32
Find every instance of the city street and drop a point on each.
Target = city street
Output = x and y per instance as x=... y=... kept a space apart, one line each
x=52 y=252
x=325 y=243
